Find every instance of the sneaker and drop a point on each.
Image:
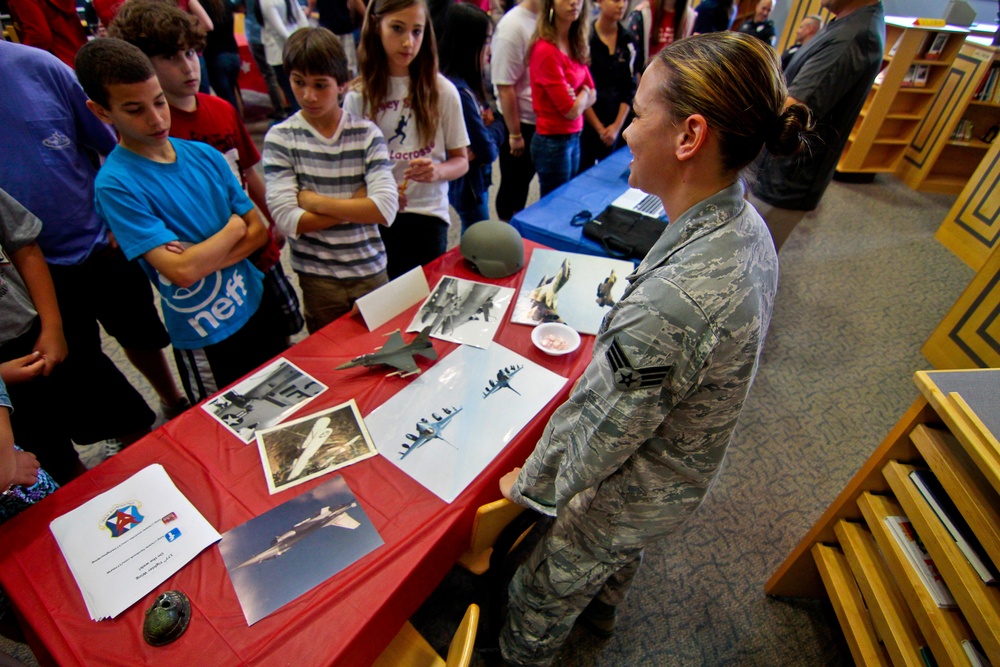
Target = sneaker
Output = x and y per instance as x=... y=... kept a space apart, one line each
x=599 y=618
x=98 y=452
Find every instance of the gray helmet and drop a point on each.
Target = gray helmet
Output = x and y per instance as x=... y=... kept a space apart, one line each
x=493 y=248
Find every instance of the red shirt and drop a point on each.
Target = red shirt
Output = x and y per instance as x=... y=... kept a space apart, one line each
x=52 y=25
x=216 y=123
x=663 y=36
x=556 y=80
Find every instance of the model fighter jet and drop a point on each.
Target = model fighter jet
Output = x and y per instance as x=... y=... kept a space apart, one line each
x=397 y=354
x=428 y=430
x=325 y=517
x=503 y=381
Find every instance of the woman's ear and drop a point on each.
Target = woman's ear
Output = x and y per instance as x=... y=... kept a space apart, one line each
x=694 y=132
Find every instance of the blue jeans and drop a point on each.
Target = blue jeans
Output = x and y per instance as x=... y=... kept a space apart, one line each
x=223 y=70
x=556 y=158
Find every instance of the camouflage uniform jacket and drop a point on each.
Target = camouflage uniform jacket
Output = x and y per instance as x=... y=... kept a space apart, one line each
x=642 y=437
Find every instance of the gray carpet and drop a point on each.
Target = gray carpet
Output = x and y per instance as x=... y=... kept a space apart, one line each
x=863 y=283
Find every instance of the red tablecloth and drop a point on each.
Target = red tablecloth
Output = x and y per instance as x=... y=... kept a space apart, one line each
x=250 y=77
x=348 y=619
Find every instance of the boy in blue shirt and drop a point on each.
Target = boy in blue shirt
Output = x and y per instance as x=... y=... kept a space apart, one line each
x=176 y=205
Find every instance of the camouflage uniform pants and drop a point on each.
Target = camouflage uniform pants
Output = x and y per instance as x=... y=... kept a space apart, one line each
x=562 y=575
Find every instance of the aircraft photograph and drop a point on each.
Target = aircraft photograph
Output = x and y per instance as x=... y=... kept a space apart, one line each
x=463 y=311
x=397 y=354
x=297 y=451
x=503 y=381
x=290 y=549
x=561 y=287
x=604 y=290
x=429 y=430
x=545 y=297
x=263 y=399
x=325 y=518
x=445 y=450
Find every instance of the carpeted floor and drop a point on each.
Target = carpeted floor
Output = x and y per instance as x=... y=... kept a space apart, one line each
x=863 y=283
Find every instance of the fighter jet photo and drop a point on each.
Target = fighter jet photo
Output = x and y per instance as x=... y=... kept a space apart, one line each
x=544 y=298
x=503 y=381
x=428 y=430
x=453 y=311
x=604 y=290
x=325 y=517
x=398 y=354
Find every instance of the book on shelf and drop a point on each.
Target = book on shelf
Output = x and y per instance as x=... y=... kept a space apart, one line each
x=927 y=656
x=921 y=73
x=908 y=540
x=974 y=652
x=895 y=45
x=908 y=79
x=937 y=46
x=932 y=491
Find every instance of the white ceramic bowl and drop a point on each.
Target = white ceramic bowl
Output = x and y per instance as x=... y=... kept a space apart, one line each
x=555 y=331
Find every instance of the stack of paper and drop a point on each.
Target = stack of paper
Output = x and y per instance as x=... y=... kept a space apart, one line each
x=127 y=541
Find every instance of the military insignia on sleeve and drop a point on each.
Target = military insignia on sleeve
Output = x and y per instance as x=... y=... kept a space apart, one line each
x=626 y=377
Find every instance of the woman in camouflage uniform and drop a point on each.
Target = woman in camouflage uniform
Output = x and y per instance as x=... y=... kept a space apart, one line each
x=634 y=450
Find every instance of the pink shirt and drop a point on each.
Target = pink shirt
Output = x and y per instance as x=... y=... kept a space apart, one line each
x=556 y=79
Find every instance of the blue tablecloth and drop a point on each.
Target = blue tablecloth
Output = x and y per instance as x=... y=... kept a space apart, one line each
x=547 y=221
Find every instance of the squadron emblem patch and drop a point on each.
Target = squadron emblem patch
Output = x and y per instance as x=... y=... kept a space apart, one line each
x=626 y=377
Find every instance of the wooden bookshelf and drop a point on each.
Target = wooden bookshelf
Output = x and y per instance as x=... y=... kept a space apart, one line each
x=895 y=110
x=971 y=229
x=967 y=336
x=935 y=161
x=850 y=556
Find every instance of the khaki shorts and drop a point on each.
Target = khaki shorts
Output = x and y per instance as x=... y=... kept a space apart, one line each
x=325 y=298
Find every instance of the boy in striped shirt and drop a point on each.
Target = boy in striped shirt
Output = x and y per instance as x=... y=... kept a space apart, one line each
x=329 y=183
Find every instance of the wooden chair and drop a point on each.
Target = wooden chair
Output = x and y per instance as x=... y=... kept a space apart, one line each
x=410 y=649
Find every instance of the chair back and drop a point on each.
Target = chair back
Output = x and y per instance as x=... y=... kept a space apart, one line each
x=490 y=521
x=464 y=642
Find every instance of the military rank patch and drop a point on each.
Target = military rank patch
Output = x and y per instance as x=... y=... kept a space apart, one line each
x=626 y=377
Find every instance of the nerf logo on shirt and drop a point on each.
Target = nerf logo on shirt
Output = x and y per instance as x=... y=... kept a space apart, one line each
x=208 y=302
x=123 y=518
x=57 y=141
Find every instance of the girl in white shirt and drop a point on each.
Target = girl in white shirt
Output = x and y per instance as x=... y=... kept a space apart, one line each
x=420 y=113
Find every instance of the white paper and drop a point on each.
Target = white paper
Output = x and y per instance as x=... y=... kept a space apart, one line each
x=451 y=422
x=129 y=540
x=381 y=305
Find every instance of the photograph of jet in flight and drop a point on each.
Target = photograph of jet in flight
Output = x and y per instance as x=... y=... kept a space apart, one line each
x=398 y=354
x=445 y=427
x=263 y=399
x=502 y=382
x=429 y=429
x=463 y=311
x=325 y=518
x=561 y=287
x=301 y=450
x=292 y=548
